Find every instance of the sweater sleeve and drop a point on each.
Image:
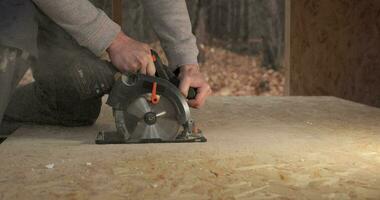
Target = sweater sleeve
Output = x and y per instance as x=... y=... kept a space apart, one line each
x=90 y=26
x=170 y=20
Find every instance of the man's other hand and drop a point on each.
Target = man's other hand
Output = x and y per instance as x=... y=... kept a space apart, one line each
x=190 y=76
x=128 y=54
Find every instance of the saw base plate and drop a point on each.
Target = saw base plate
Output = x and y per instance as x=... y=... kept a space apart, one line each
x=114 y=137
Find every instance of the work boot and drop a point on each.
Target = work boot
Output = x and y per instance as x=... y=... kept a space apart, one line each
x=8 y=127
x=13 y=64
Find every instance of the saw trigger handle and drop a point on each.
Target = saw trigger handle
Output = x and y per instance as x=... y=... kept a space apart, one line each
x=162 y=71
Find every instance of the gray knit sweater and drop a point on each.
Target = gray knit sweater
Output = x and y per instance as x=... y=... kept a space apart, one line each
x=93 y=29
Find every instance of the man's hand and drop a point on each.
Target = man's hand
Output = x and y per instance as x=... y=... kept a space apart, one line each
x=190 y=76
x=130 y=55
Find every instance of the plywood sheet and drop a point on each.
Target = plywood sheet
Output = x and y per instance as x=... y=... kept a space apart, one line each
x=259 y=147
x=334 y=49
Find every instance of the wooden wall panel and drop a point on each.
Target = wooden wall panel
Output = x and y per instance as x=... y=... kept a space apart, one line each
x=335 y=49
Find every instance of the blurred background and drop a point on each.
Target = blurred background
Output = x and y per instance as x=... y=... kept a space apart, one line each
x=241 y=42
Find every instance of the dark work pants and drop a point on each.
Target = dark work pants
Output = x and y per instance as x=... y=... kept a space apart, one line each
x=69 y=80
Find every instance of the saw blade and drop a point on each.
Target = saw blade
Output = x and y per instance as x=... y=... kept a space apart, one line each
x=165 y=124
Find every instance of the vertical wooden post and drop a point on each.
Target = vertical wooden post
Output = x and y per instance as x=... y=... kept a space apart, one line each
x=287 y=47
x=334 y=49
x=117 y=11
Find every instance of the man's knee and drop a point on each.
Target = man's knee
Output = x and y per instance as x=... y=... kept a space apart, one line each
x=18 y=27
x=74 y=77
x=83 y=113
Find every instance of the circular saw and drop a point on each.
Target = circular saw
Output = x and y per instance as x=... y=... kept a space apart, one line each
x=150 y=109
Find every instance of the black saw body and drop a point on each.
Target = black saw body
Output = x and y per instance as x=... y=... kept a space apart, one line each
x=140 y=120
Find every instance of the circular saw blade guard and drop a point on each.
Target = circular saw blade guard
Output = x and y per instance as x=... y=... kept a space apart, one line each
x=138 y=120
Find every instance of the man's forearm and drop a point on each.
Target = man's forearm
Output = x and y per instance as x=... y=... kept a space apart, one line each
x=90 y=26
x=170 y=20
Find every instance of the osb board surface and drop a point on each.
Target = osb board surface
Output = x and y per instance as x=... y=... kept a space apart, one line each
x=335 y=49
x=259 y=147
